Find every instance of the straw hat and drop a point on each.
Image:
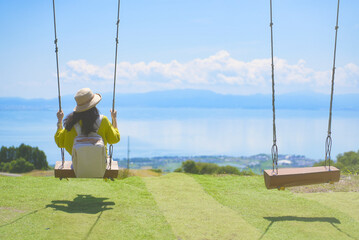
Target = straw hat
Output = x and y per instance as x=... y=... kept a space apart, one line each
x=86 y=99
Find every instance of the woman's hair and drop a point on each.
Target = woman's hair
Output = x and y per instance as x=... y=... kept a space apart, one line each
x=88 y=118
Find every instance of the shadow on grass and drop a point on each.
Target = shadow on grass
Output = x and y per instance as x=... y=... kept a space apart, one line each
x=82 y=204
x=330 y=220
x=93 y=226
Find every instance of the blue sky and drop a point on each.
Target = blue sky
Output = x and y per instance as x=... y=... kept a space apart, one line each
x=218 y=45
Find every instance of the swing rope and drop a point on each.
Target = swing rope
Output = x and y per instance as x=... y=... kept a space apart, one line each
x=58 y=75
x=274 y=149
x=114 y=75
x=328 y=142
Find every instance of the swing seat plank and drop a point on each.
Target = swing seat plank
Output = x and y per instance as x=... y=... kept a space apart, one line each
x=67 y=171
x=290 y=177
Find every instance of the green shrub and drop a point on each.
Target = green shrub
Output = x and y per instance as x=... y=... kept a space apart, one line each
x=189 y=166
x=20 y=165
x=228 y=170
x=207 y=168
x=347 y=162
x=247 y=172
x=178 y=170
x=123 y=173
x=156 y=170
x=351 y=170
x=322 y=163
x=4 y=167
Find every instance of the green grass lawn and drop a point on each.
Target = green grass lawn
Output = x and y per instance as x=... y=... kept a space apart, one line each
x=46 y=208
x=283 y=214
x=174 y=206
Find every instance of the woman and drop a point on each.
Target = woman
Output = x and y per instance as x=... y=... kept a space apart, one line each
x=87 y=116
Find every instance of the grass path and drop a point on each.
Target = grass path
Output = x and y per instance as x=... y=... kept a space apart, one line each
x=193 y=214
x=282 y=214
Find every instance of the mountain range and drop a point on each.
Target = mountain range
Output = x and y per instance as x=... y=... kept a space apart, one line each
x=189 y=98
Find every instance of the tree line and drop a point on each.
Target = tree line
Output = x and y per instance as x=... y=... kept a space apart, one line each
x=22 y=159
x=347 y=162
x=193 y=167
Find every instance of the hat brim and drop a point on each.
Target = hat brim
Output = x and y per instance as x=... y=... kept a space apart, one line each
x=94 y=101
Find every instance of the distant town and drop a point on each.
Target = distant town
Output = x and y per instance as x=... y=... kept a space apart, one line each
x=256 y=163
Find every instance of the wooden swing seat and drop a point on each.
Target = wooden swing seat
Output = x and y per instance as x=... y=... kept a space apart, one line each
x=290 y=177
x=68 y=172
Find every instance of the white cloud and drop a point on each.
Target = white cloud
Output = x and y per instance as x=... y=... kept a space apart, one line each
x=219 y=72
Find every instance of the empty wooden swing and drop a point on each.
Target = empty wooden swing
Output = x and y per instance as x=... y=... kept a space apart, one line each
x=289 y=177
x=64 y=169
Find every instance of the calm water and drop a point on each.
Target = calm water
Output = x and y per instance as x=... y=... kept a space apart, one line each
x=158 y=132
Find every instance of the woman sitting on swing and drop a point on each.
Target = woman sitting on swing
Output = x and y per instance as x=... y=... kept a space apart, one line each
x=82 y=124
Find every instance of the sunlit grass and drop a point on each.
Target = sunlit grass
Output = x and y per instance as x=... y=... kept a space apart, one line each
x=193 y=214
x=172 y=206
x=282 y=214
x=47 y=208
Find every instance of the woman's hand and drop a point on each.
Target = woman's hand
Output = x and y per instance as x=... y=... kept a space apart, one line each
x=60 y=116
x=113 y=114
x=114 y=117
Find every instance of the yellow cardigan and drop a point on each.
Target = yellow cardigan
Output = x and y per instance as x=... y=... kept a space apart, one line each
x=65 y=139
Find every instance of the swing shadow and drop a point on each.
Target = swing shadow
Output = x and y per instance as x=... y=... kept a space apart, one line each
x=93 y=226
x=330 y=220
x=82 y=204
x=21 y=217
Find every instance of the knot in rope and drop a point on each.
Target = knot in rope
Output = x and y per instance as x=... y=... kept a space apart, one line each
x=110 y=152
x=328 y=149
x=275 y=157
x=62 y=157
x=56 y=48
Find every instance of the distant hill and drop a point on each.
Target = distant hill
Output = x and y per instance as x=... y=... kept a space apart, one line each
x=189 y=98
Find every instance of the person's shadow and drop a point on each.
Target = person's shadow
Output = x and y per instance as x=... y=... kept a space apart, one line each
x=82 y=204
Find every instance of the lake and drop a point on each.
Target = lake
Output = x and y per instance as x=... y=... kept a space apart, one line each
x=189 y=131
